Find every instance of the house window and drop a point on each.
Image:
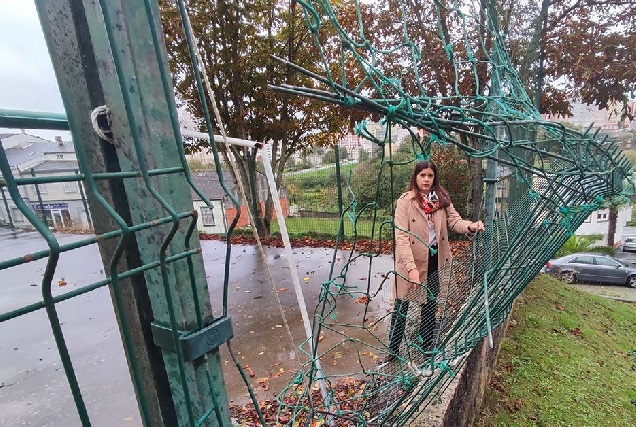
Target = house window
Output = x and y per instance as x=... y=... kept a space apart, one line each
x=601 y=216
x=70 y=187
x=207 y=217
x=39 y=187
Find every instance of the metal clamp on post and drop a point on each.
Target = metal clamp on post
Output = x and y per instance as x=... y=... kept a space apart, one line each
x=195 y=344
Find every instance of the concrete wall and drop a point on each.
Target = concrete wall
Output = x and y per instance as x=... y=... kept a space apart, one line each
x=465 y=404
x=230 y=212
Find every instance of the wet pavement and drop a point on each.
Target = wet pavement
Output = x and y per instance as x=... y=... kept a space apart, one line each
x=33 y=386
x=261 y=340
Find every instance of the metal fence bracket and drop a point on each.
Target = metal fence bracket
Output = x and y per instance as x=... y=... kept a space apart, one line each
x=195 y=344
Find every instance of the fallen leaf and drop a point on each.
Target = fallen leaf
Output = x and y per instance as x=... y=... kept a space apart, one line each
x=263 y=382
x=306 y=279
x=282 y=289
x=249 y=371
x=61 y=282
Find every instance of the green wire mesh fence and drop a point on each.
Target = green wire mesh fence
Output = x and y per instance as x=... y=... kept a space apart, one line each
x=138 y=185
x=557 y=178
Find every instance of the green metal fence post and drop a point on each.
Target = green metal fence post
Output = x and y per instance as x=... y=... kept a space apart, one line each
x=339 y=188
x=491 y=192
x=65 y=26
x=106 y=53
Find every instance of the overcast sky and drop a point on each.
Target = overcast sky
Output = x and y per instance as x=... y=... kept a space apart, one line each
x=27 y=80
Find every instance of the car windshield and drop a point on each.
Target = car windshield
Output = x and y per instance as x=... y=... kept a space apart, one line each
x=630 y=240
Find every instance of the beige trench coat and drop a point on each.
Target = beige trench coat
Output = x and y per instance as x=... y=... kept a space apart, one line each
x=411 y=253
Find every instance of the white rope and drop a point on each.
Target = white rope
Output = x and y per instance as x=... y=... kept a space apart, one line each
x=105 y=135
x=320 y=376
x=292 y=266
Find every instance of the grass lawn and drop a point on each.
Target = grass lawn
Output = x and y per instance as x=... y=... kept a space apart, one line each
x=328 y=227
x=314 y=173
x=567 y=360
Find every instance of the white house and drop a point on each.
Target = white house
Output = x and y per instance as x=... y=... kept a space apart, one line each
x=59 y=204
x=211 y=218
x=214 y=218
x=598 y=223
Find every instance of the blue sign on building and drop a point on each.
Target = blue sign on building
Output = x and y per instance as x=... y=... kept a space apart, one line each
x=49 y=206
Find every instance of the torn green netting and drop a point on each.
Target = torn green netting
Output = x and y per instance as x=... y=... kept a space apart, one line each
x=548 y=180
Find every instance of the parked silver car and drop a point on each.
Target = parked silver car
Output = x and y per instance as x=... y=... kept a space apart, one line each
x=594 y=268
x=629 y=245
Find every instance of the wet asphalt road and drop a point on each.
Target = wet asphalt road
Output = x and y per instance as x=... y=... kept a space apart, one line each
x=33 y=386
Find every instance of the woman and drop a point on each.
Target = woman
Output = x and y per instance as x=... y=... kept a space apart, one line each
x=422 y=217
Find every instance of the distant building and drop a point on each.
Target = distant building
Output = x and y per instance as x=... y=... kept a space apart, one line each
x=204 y=156
x=583 y=115
x=216 y=217
x=59 y=204
x=598 y=223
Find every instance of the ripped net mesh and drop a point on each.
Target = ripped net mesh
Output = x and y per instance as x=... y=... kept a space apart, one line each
x=549 y=180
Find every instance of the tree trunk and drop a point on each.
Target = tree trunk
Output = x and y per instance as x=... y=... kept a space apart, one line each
x=611 y=226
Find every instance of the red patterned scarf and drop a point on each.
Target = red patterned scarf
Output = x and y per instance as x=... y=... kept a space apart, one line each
x=430 y=203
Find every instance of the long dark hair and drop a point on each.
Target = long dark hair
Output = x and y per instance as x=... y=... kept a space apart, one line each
x=444 y=198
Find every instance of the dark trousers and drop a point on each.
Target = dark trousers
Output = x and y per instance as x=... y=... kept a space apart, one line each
x=427 y=316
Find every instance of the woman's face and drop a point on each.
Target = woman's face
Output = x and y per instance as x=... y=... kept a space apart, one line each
x=424 y=180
